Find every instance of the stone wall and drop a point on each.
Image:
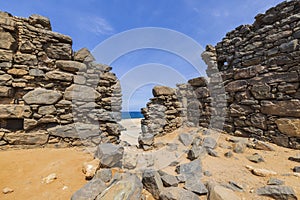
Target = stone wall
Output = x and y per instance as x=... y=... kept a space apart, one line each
x=50 y=95
x=253 y=80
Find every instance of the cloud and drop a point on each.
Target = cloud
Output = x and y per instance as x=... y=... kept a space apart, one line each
x=97 y=25
x=220 y=13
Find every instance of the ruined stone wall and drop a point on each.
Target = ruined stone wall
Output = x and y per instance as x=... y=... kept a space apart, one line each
x=50 y=95
x=253 y=79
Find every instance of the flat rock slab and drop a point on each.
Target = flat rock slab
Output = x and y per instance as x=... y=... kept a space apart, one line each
x=277 y=192
x=176 y=193
x=110 y=155
x=42 y=96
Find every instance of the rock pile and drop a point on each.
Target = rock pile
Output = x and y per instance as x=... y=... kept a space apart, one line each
x=50 y=95
x=253 y=82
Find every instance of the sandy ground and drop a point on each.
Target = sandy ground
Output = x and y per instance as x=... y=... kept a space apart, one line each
x=23 y=170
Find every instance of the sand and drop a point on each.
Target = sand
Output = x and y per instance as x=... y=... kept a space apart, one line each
x=23 y=171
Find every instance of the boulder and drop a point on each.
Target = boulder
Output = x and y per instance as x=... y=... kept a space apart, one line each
x=42 y=97
x=218 y=192
x=209 y=142
x=277 y=192
x=194 y=184
x=176 y=193
x=152 y=182
x=162 y=90
x=104 y=174
x=169 y=180
x=110 y=155
x=190 y=169
x=71 y=66
x=289 y=127
x=126 y=186
x=90 y=190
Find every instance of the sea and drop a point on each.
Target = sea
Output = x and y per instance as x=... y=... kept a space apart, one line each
x=132 y=115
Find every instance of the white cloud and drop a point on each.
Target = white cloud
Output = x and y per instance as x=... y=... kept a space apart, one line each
x=97 y=25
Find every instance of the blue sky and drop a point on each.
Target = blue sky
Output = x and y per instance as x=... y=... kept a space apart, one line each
x=90 y=22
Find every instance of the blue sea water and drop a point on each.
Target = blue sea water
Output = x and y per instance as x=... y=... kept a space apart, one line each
x=132 y=115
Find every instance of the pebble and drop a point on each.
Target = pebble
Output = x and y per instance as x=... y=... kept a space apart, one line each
x=50 y=178
x=7 y=190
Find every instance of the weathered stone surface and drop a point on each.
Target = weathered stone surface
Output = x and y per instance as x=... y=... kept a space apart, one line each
x=146 y=139
x=42 y=96
x=6 y=55
x=162 y=90
x=59 y=51
x=196 y=152
x=176 y=193
x=185 y=139
x=17 y=72
x=7 y=41
x=277 y=192
x=25 y=59
x=34 y=138
x=40 y=20
x=110 y=155
x=90 y=168
x=104 y=174
x=198 y=82
x=236 y=86
x=289 y=46
x=81 y=93
x=289 y=108
x=129 y=160
x=47 y=110
x=275 y=181
x=36 y=72
x=248 y=72
x=14 y=111
x=218 y=192
x=290 y=127
x=84 y=55
x=152 y=182
x=90 y=191
x=169 y=180
x=195 y=185
x=209 y=142
x=5 y=91
x=256 y=158
x=261 y=172
x=190 y=169
x=127 y=187
x=71 y=66
x=58 y=75
x=30 y=123
x=5 y=77
x=76 y=131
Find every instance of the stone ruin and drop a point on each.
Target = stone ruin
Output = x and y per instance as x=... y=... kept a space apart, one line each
x=50 y=95
x=252 y=88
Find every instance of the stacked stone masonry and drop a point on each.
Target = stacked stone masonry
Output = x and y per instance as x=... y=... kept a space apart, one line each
x=253 y=80
x=50 y=95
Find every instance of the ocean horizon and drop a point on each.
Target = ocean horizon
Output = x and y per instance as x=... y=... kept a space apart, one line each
x=132 y=114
